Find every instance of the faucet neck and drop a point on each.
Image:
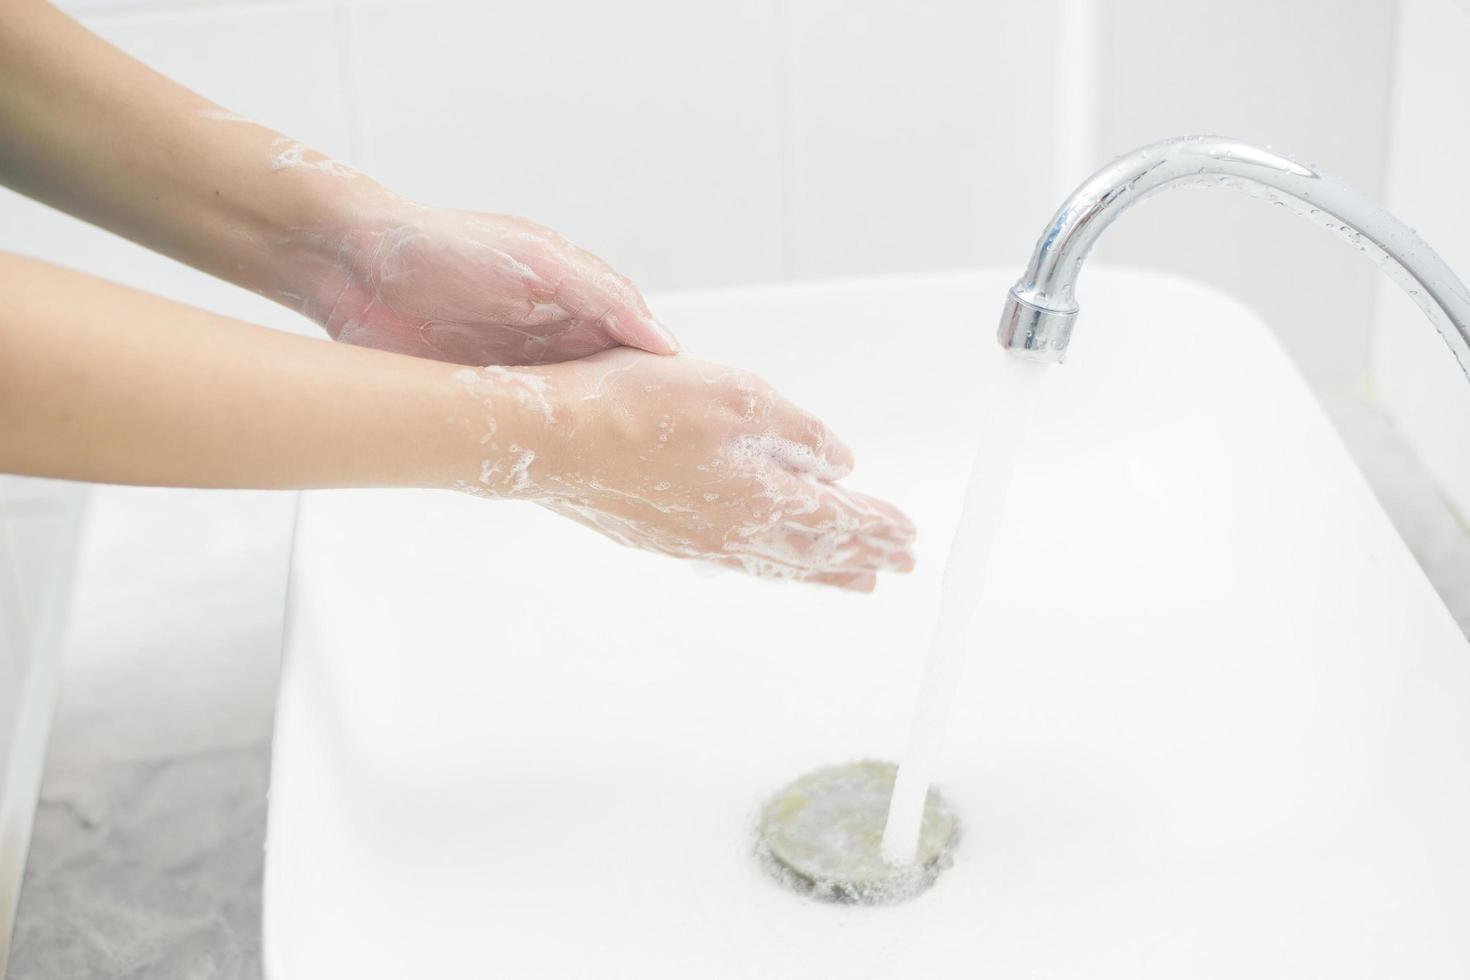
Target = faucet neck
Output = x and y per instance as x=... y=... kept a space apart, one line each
x=1042 y=306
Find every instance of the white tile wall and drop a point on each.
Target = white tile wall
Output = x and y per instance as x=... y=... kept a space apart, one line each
x=690 y=144
x=1308 y=77
x=650 y=132
x=921 y=135
x=1414 y=375
x=698 y=145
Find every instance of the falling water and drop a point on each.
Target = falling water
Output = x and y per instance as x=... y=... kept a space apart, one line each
x=1013 y=392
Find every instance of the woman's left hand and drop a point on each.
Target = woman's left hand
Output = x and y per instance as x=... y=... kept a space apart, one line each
x=473 y=288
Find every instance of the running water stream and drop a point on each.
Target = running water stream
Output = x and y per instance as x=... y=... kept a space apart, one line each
x=1002 y=437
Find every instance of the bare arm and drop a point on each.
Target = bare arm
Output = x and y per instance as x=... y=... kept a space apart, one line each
x=669 y=454
x=99 y=382
x=91 y=131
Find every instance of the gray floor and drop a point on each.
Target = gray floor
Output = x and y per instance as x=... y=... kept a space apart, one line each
x=147 y=854
x=147 y=849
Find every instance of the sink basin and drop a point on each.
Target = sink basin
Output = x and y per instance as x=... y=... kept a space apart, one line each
x=1215 y=721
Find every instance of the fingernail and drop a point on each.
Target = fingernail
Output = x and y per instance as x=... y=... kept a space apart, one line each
x=664 y=333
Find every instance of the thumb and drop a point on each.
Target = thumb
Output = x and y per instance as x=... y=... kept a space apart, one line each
x=593 y=285
x=640 y=329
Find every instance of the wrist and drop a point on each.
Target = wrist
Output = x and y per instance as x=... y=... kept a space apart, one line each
x=513 y=432
x=322 y=227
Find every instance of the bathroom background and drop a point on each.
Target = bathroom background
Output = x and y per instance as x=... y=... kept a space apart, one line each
x=692 y=145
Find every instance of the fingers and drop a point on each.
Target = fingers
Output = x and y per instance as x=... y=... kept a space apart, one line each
x=852 y=581
x=591 y=288
x=863 y=533
x=871 y=513
x=805 y=429
x=821 y=528
x=642 y=331
x=793 y=439
x=831 y=507
x=876 y=553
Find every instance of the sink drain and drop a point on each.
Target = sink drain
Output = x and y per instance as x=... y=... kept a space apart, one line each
x=822 y=836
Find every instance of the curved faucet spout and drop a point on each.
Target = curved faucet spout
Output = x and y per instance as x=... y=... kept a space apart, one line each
x=1041 y=307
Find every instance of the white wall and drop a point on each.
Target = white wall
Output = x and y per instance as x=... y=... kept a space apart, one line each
x=700 y=144
x=1414 y=376
x=1309 y=78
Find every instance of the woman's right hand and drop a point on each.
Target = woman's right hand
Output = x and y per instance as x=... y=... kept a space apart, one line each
x=688 y=459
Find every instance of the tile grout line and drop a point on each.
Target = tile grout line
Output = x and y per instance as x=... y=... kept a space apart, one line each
x=785 y=243
x=346 y=37
x=1388 y=166
x=1075 y=102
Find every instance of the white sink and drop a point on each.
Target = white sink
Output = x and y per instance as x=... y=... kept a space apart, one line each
x=1216 y=723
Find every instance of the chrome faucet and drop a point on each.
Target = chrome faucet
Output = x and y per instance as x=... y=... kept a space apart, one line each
x=1041 y=307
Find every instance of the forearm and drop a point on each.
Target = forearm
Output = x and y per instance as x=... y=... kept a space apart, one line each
x=102 y=383
x=88 y=129
x=690 y=459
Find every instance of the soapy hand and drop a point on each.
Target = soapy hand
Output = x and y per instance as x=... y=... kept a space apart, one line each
x=472 y=288
x=688 y=459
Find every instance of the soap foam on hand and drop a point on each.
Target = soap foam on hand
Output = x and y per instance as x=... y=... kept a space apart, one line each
x=684 y=458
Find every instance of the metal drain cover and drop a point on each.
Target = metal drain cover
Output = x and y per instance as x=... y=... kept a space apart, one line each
x=822 y=835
